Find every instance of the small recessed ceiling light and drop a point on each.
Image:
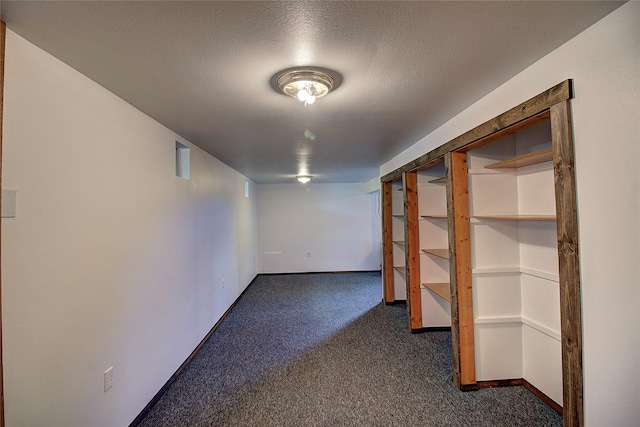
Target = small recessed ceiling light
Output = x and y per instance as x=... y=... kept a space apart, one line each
x=303 y=178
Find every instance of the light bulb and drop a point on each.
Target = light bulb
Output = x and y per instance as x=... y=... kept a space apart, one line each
x=310 y=99
x=303 y=95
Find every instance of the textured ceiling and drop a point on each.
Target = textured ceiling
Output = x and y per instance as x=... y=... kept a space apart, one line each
x=203 y=69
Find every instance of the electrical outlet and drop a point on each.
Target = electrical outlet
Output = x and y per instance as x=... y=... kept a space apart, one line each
x=108 y=379
x=309 y=254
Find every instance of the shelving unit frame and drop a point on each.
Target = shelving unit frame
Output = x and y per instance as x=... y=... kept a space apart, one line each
x=388 y=294
x=515 y=262
x=551 y=105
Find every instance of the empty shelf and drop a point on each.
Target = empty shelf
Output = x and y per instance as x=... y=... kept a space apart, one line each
x=441 y=289
x=524 y=160
x=438 y=180
x=442 y=253
x=401 y=270
x=518 y=217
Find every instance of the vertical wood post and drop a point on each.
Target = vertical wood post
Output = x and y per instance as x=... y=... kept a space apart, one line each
x=3 y=34
x=568 y=258
x=387 y=244
x=412 y=250
x=462 y=328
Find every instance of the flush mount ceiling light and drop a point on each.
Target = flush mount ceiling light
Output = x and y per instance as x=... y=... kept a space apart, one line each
x=305 y=84
x=303 y=178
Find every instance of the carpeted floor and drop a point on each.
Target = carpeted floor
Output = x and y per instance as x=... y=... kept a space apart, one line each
x=322 y=350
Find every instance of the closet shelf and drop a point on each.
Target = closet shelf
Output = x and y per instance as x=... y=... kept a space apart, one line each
x=441 y=289
x=524 y=160
x=440 y=180
x=401 y=270
x=433 y=216
x=398 y=216
x=441 y=253
x=399 y=242
x=518 y=217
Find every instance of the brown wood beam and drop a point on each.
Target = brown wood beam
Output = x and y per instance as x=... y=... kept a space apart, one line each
x=3 y=34
x=569 y=262
x=462 y=333
x=523 y=124
x=412 y=250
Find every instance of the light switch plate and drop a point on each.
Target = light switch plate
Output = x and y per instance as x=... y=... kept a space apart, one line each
x=9 y=203
x=108 y=379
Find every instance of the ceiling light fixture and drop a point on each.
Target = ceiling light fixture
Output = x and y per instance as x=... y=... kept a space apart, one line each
x=303 y=178
x=305 y=84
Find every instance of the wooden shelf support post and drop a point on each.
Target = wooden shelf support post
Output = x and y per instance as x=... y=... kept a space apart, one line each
x=569 y=273
x=3 y=34
x=412 y=250
x=462 y=333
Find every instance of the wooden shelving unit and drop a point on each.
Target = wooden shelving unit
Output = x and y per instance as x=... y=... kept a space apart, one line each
x=441 y=289
x=394 y=242
x=440 y=253
x=511 y=277
x=434 y=241
x=399 y=239
x=505 y=249
x=523 y=160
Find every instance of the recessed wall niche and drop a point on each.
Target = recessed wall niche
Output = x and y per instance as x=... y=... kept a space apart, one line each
x=183 y=161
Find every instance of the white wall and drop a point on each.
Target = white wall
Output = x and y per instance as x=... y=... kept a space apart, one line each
x=111 y=260
x=338 y=223
x=604 y=62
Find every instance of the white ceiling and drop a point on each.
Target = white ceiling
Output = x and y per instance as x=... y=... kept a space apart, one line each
x=203 y=69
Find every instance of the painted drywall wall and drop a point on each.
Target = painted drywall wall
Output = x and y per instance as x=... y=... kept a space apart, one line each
x=372 y=186
x=603 y=61
x=318 y=227
x=111 y=259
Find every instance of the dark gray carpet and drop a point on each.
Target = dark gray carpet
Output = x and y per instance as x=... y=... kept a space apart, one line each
x=322 y=350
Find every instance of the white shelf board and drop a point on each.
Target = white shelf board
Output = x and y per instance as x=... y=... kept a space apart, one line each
x=516 y=270
x=541 y=328
x=493 y=320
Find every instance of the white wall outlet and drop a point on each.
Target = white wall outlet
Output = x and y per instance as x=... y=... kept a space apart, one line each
x=108 y=379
